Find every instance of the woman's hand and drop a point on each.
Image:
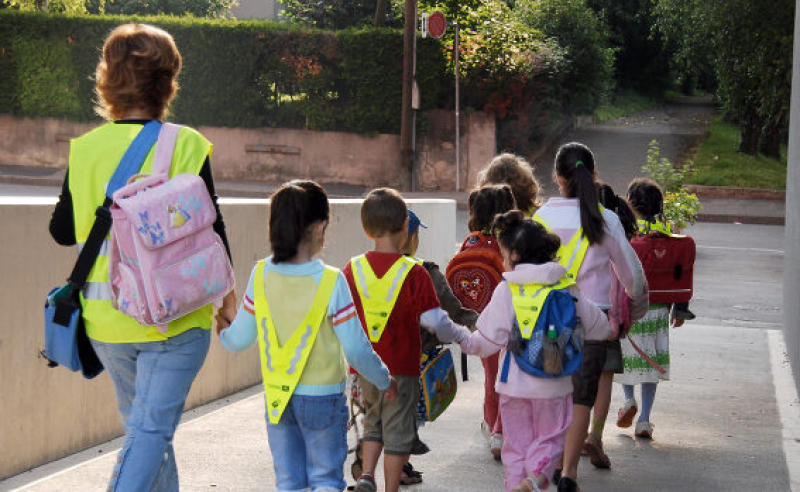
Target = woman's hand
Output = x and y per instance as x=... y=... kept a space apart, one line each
x=227 y=313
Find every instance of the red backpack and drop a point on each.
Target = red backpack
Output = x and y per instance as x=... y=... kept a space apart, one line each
x=475 y=271
x=668 y=262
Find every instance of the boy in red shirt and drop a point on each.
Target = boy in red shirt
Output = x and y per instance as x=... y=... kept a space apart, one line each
x=393 y=296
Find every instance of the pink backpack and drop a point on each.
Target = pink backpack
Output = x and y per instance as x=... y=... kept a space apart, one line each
x=165 y=259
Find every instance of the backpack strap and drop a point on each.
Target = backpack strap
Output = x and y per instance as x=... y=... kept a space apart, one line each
x=162 y=161
x=506 y=367
x=129 y=165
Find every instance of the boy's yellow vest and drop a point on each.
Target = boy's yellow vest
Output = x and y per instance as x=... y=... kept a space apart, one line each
x=379 y=295
x=283 y=366
x=93 y=157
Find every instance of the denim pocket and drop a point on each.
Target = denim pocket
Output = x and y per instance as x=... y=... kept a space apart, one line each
x=321 y=412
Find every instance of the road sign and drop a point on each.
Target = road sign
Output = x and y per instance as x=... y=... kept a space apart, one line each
x=437 y=25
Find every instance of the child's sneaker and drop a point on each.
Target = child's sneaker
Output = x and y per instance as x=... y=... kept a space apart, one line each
x=627 y=413
x=644 y=430
x=366 y=483
x=496 y=446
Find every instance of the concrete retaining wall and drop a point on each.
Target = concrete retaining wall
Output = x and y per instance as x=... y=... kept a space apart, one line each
x=50 y=413
x=275 y=155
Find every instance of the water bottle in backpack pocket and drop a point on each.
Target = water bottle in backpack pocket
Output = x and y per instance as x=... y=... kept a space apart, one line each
x=547 y=338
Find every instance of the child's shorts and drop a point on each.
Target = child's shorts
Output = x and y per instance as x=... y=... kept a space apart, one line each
x=392 y=423
x=614 y=357
x=586 y=381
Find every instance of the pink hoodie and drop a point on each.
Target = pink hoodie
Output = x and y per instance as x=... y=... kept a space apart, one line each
x=495 y=323
x=612 y=256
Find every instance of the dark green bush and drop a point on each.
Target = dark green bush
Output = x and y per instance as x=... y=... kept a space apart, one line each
x=236 y=73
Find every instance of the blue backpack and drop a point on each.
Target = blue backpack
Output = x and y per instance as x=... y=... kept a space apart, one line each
x=558 y=311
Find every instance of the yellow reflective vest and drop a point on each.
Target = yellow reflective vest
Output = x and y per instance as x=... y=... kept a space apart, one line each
x=282 y=366
x=646 y=227
x=528 y=300
x=93 y=157
x=379 y=295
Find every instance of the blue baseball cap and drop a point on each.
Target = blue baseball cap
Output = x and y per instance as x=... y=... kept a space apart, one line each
x=414 y=223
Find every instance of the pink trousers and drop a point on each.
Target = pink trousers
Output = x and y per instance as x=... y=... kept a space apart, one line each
x=535 y=433
x=491 y=400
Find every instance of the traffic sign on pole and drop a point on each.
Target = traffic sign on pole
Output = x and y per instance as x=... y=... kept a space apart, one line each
x=437 y=25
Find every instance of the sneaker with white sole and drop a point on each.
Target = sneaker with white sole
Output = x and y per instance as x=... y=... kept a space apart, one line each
x=626 y=414
x=366 y=483
x=496 y=446
x=644 y=430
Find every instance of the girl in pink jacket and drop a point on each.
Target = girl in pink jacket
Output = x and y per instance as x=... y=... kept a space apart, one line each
x=536 y=412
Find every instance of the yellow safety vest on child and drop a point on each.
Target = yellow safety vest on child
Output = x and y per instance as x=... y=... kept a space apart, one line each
x=528 y=300
x=379 y=295
x=282 y=367
x=570 y=255
x=646 y=227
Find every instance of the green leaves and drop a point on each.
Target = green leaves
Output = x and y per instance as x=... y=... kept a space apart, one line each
x=680 y=206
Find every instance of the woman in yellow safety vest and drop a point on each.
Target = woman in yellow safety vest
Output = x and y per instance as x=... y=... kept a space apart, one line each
x=151 y=371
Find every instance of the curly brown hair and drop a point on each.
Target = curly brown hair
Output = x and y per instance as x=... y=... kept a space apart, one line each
x=137 y=71
x=517 y=173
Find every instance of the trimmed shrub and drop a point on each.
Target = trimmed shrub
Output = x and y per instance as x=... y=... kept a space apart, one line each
x=235 y=73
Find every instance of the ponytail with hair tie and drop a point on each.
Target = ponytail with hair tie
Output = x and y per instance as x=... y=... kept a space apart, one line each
x=575 y=164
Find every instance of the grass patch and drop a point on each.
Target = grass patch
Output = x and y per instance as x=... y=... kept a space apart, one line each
x=623 y=104
x=719 y=163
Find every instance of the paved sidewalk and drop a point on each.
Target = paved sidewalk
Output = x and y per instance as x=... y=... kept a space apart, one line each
x=717 y=429
x=728 y=420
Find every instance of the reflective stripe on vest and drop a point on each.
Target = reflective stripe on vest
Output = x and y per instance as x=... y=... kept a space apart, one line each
x=282 y=367
x=379 y=295
x=528 y=300
x=647 y=227
x=571 y=255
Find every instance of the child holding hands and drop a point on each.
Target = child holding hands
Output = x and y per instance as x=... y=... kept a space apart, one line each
x=303 y=314
x=394 y=296
x=536 y=412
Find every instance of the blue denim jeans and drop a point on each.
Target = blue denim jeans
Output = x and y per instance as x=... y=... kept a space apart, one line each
x=309 y=444
x=151 y=380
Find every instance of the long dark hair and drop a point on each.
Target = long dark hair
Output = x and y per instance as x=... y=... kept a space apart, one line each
x=532 y=242
x=293 y=208
x=575 y=164
x=619 y=206
x=646 y=198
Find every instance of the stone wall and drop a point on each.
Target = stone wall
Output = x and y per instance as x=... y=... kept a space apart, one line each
x=277 y=154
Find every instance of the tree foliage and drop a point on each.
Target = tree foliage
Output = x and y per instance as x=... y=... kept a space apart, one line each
x=212 y=9
x=582 y=34
x=642 y=58
x=340 y=14
x=751 y=53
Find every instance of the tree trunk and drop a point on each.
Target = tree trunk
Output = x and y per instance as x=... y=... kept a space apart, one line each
x=771 y=139
x=380 y=13
x=751 y=133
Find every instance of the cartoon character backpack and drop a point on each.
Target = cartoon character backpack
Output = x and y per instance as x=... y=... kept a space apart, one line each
x=475 y=271
x=165 y=259
x=546 y=340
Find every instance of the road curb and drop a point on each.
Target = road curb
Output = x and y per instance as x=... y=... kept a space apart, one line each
x=736 y=192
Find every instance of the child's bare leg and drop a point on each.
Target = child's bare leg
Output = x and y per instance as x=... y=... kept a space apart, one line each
x=392 y=469
x=371 y=451
x=575 y=437
x=602 y=404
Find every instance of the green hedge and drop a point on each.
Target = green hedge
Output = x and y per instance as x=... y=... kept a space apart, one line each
x=236 y=73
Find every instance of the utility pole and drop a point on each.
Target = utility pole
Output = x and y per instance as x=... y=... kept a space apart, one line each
x=406 y=130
